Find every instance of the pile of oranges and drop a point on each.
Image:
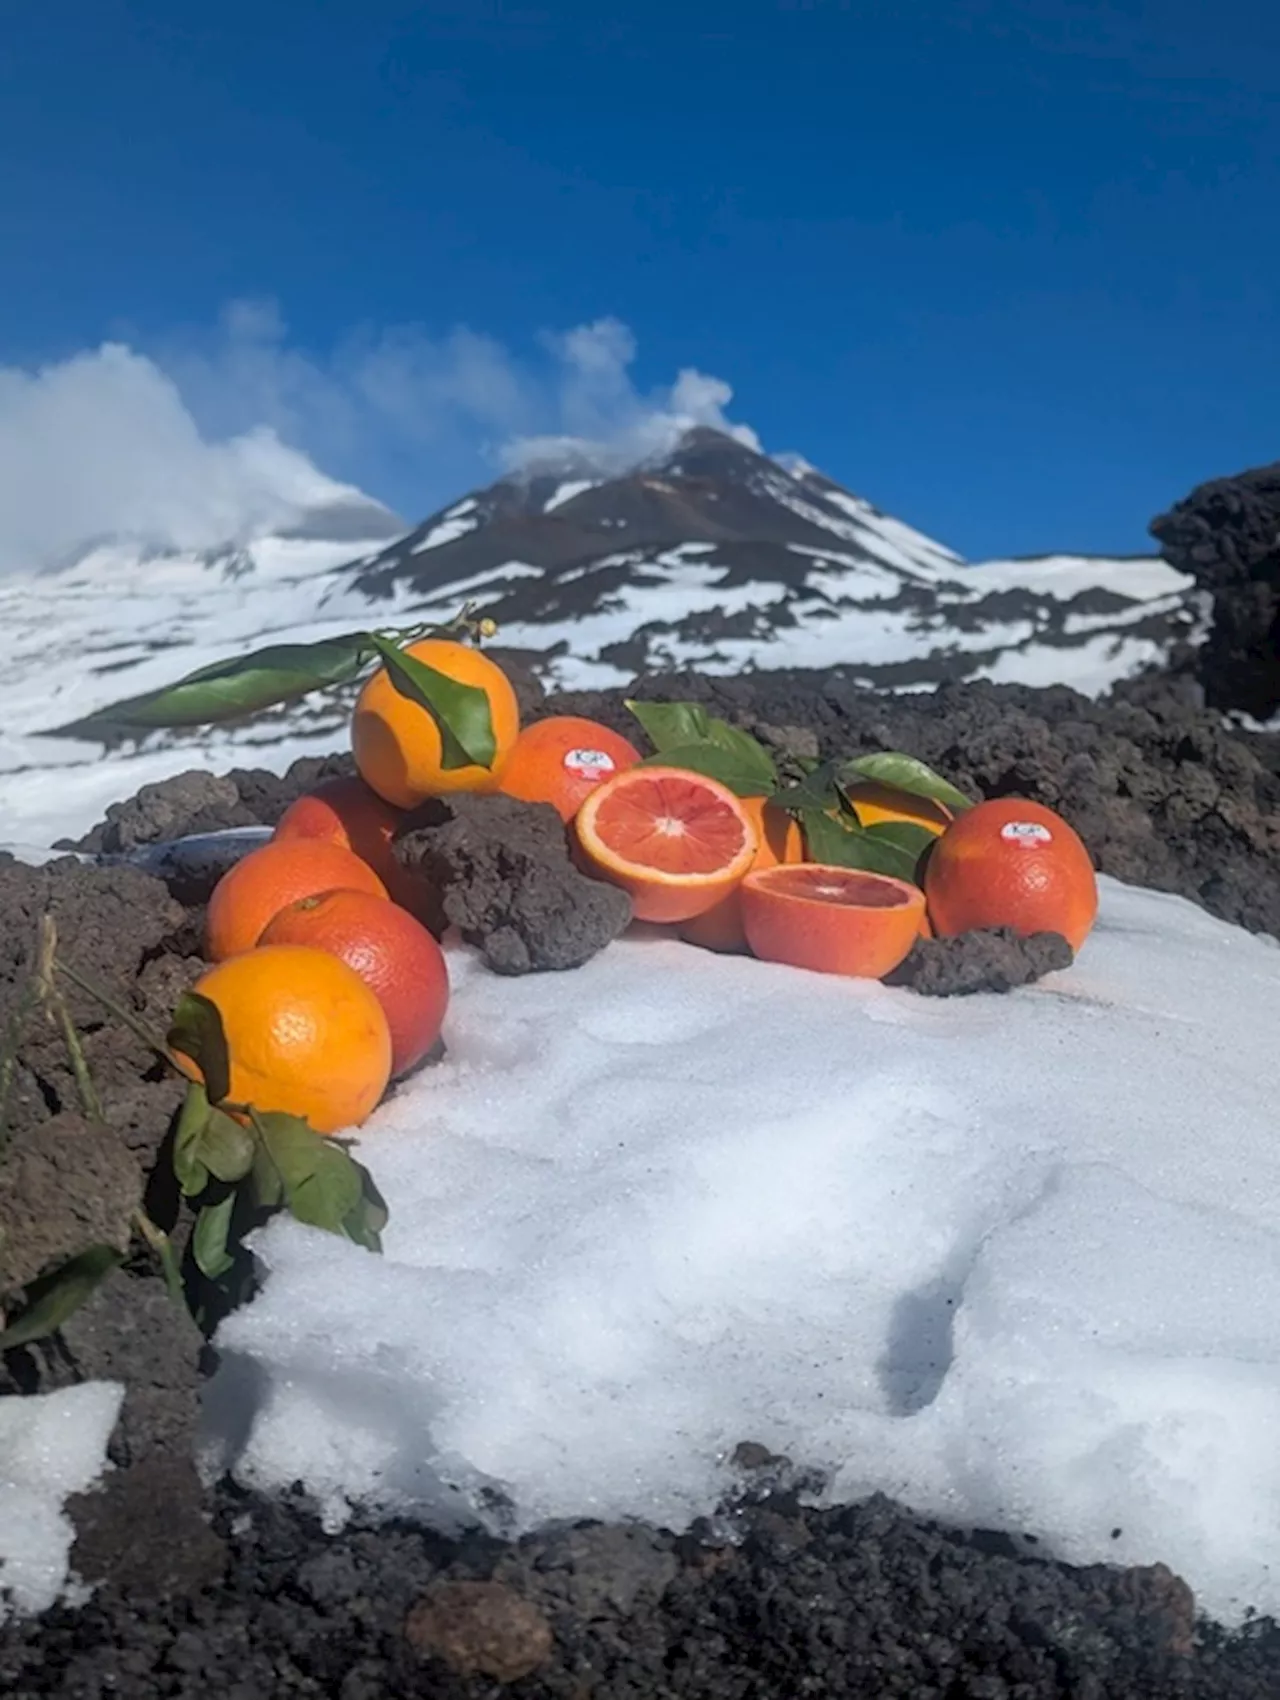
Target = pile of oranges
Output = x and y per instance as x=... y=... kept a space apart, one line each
x=330 y=986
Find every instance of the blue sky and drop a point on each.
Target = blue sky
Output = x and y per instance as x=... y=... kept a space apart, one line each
x=1009 y=270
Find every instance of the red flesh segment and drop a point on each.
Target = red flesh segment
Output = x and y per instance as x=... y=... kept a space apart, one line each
x=840 y=886
x=701 y=833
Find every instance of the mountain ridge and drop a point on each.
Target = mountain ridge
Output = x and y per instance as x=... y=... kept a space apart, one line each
x=708 y=557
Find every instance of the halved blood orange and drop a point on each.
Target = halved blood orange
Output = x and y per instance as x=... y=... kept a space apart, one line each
x=832 y=920
x=674 y=840
x=781 y=840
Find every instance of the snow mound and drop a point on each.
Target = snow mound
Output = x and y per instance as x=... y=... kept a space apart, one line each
x=1015 y=1260
x=52 y=1445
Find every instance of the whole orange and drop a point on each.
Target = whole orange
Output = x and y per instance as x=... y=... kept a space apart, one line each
x=1011 y=863
x=397 y=743
x=350 y=813
x=304 y=1035
x=781 y=841
x=561 y=760
x=393 y=954
x=282 y=871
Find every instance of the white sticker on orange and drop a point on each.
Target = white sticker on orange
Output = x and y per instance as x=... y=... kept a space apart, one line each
x=1028 y=833
x=589 y=764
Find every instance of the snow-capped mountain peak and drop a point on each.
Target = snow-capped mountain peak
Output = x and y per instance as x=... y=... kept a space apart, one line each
x=708 y=555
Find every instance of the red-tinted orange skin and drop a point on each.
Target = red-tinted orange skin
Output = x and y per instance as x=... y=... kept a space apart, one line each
x=831 y=920
x=395 y=956
x=537 y=770
x=350 y=813
x=781 y=840
x=264 y=881
x=669 y=877
x=976 y=878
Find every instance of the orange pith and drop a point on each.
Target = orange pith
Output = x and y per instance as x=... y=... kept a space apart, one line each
x=781 y=840
x=395 y=956
x=397 y=743
x=675 y=841
x=304 y=1035
x=831 y=920
x=561 y=760
x=264 y=881
x=1013 y=863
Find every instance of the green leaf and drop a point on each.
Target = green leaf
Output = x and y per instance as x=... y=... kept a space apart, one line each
x=55 y=1297
x=461 y=712
x=208 y=1142
x=319 y=1183
x=365 y=1223
x=845 y=844
x=197 y=1033
x=819 y=790
x=209 y=1240
x=891 y=767
x=265 y=1185
x=715 y=762
x=676 y=729
x=907 y=835
x=669 y=725
x=233 y=689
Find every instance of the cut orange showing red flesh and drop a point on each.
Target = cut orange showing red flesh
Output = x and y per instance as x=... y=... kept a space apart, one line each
x=832 y=920
x=674 y=840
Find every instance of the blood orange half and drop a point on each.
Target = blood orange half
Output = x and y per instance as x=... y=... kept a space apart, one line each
x=832 y=920
x=675 y=841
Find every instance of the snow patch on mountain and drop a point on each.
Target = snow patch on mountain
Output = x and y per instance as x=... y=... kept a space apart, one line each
x=712 y=557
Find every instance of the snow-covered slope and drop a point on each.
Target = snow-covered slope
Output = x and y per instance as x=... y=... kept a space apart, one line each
x=713 y=556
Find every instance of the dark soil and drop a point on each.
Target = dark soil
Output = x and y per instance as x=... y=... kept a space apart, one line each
x=228 y=1595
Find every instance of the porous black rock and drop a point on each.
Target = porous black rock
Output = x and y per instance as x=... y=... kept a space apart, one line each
x=1226 y=535
x=196 y=801
x=501 y=873
x=994 y=959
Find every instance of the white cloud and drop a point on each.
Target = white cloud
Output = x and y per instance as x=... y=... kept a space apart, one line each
x=102 y=443
x=217 y=434
x=604 y=421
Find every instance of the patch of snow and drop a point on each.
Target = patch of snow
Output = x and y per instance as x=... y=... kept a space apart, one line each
x=567 y=491
x=52 y=1445
x=445 y=531
x=1065 y=576
x=1013 y=1260
x=894 y=530
x=1091 y=667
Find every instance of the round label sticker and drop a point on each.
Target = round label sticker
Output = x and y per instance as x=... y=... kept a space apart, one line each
x=1025 y=832
x=589 y=764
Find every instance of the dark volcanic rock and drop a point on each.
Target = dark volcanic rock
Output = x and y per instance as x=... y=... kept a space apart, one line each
x=147 y=1526
x=1226 y=534
x=65 y=1184
x=110 y=923
x=861 y=1603
x=197 y=801
x=994 y=960
x=505 y=880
